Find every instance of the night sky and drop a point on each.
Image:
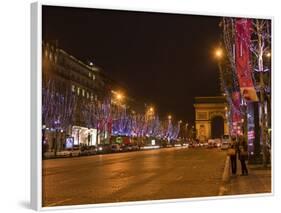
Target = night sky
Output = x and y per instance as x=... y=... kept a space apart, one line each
x=158 y=58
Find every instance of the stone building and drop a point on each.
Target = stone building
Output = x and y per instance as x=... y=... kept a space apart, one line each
x=79 y=83
x=210 y=117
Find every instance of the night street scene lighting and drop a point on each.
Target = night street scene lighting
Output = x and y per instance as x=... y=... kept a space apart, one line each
x=152 y=106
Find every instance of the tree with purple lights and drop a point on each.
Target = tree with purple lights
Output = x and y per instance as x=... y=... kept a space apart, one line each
x=260 y=63
x=58 y=107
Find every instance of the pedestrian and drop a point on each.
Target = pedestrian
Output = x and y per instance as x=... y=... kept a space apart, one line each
x=243 y=156
x=232 y=152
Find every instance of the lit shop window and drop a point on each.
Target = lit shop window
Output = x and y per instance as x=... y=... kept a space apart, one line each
x=78 y=91
x=73 y=88
x=83 y=92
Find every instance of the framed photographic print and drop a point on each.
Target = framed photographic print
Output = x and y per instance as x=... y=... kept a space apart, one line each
x=148 y=106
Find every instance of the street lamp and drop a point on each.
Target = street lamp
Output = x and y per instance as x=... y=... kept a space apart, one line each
x=218 y=53
x=169 y=117
x=268 y=54
x=119 y=96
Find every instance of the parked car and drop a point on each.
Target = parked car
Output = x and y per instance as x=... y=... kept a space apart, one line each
x=64 y=153
x=75 y=151
x=92 y=150
x=88 y=150
x=103 y=148
x=130 y=147
x=115 y=148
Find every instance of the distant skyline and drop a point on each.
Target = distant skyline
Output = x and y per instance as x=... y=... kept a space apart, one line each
x=158 y=58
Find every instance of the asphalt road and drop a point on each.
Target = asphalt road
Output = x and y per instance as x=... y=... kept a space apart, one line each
x=145 y=175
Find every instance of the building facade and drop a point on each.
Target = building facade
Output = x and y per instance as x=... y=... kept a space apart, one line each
x=68 y=85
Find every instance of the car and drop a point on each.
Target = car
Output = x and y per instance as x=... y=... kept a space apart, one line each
x=115 y=148
x=211 y=143
x=226 y=138
x=205 y=144
x=130 y=147
x=88 y=150
x=92 y=150
x=201 y=144
x=217 y=142
x=225 y=142
x=196 y=144
x=103 y=148
x=135 y=147
x=225 y=145
x=64 y=153
x=193 y=144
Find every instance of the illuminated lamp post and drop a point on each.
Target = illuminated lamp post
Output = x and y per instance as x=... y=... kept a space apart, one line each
x=219 y=56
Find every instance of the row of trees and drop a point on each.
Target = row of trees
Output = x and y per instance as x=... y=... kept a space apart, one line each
x=62 y=108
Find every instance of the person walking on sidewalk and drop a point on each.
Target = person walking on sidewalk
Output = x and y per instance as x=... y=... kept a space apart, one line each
x=243 y=156
x=232 y=152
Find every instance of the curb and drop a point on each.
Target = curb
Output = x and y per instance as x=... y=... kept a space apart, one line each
x=225 y=176
x=226 y=171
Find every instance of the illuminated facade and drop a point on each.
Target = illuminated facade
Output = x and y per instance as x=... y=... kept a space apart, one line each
x=206 y=110
x=78 y=81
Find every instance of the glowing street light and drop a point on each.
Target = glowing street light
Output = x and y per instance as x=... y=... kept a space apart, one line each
x=119 y=96
x=218 y=53
x=169 y=117
x=268 y=54
x=151 y=109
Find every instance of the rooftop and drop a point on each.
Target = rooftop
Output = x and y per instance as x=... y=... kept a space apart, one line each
x=210 y=99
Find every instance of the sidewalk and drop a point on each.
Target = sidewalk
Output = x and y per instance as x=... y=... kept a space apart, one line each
x=258 y=181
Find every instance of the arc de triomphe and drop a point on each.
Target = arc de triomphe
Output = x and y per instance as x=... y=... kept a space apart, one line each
x=206 y=109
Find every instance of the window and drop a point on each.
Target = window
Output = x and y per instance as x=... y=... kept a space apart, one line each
x=73 y=88
x=88 y=95
x=94 y=77
x=90 y=74
x=78 y=91
x=83 y=92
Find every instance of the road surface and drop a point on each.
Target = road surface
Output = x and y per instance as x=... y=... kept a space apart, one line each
x=145 y=175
